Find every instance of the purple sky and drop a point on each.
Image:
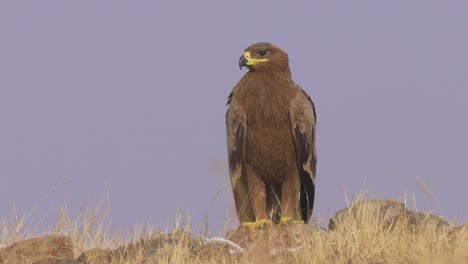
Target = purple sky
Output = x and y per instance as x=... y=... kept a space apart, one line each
x=130 y=96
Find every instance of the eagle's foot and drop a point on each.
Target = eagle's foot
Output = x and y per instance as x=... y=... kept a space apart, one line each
x=261 y=224
x=285 y=220
x=289 y=220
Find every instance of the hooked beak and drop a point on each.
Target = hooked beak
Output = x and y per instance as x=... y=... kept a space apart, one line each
x=246 y=60
x=242 y=61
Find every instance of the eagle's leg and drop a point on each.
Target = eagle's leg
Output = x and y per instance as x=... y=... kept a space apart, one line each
x=273 y=194
x=290 y=200
x=258 y=201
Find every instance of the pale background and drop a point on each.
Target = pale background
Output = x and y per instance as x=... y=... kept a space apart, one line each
x=128 y=97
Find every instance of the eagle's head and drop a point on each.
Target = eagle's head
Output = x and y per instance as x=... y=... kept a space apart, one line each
x=264 y=56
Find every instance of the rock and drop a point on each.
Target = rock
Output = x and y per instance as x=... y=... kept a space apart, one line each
x=360 y=261
x=38 y=250
x=209 y=251
x=65 y=261
x=149 y=247
x=419 y=219
x=96 y=256
x=386 y=210
x=458 y=234
x=274 y=243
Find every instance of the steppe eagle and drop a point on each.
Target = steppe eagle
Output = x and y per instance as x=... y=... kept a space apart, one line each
x=270 y=127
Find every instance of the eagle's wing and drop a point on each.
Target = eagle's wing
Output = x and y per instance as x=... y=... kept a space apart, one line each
x=236 y=129
x=302 y=116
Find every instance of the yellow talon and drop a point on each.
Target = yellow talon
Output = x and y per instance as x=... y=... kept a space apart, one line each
x=285 y=220
x=289 y=220
x=257 y=224
x=248 y=224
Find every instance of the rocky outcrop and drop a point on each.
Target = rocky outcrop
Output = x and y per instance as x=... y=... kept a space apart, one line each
x=42 y=250
x=276 y=242
x=387 y=212
x=96 y=256
x=458 y=232
x=272 y=244
x=147 y=249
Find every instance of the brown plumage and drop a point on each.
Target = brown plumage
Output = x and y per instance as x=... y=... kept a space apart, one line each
x=271 y=140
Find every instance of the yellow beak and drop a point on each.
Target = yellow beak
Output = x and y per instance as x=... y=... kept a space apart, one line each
x=246 y=60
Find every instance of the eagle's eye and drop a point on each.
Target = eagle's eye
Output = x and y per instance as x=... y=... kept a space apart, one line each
x=262 y=52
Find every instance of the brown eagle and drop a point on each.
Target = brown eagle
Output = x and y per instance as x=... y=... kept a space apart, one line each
x=271 y=141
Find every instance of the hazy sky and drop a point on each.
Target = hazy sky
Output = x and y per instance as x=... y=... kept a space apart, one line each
x=130 y=96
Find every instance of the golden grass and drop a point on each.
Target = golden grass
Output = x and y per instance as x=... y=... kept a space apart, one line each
x=362 y=239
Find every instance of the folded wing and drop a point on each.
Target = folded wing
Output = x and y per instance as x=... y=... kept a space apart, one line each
x=303 y=118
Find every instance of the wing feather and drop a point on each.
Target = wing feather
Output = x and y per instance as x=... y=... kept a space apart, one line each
x=303 y=119
x=236 y=129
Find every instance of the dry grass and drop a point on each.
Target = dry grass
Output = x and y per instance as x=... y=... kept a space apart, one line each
x=363 y=239
x=369 y=239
